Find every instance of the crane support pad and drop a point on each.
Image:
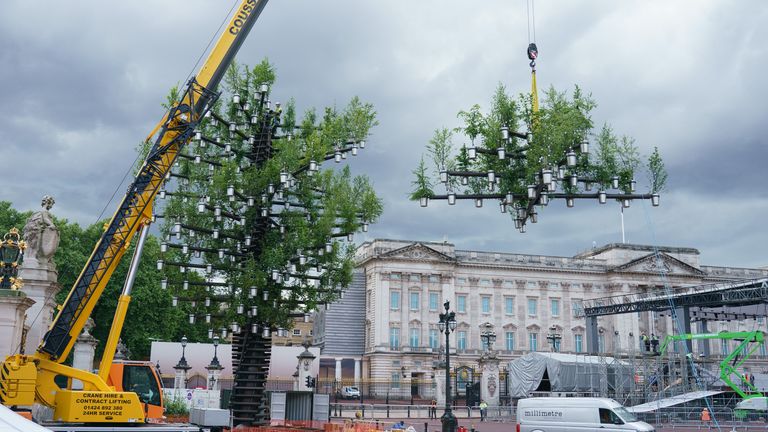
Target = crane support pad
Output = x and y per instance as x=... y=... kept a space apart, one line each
x=17 y=381
x=98 y=407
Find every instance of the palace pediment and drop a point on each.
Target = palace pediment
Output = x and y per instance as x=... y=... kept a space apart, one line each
x=417 y=252
x=651 y=264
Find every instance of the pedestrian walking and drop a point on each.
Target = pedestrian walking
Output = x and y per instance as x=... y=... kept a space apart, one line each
x=433 y=409
x=483 y=410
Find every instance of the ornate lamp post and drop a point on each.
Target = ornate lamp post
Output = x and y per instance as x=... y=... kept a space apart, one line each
x=215 y=367
x=447 y=325
x=11 y=256
x=305 y=367
x=554 y=338
x=182 y=366
x=488 y=337
x=489 y=367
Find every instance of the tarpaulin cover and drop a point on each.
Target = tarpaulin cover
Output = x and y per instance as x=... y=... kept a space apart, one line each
x=566 y=373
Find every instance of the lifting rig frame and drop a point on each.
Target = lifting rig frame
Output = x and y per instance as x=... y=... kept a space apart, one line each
x=29 y=379
x=749 y=343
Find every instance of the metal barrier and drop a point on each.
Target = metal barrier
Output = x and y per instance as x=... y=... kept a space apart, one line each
x=721 y=419
x=669 y=418
x=421 y=411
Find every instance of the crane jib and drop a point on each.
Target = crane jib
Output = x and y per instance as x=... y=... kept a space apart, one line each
x=28 y=379
x=176 y=131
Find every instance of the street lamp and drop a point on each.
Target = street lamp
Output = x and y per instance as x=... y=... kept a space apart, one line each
x=215 y=349
x=183 y=348
x=554 y=338
x=182 y=366
x=11 y=256
x=488 y=337
x=215 y=366
x=447 y=325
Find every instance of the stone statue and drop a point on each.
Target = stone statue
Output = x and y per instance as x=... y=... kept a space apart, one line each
x=41 y=234
x=89 y=325
x=122 y=352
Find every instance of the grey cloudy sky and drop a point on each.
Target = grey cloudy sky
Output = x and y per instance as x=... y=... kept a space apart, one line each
x=82 y=84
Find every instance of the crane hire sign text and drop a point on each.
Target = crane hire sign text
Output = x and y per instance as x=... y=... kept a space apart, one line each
x=98 y=406
x=103 y=404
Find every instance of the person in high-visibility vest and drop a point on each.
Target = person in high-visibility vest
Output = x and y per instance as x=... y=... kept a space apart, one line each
x=705 y=417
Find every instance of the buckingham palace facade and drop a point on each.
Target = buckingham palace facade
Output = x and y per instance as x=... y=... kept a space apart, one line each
x=400 y=288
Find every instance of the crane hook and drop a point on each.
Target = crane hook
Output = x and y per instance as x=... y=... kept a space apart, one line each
x=533 y=52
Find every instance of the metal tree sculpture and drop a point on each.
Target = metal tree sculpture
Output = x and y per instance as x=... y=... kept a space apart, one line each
x=253 y=224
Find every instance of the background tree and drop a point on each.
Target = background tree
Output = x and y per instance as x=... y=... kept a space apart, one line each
x=12 y=218
x=149 y=305
x=522 y=157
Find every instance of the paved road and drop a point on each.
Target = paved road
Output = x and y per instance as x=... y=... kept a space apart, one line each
x=427 y=425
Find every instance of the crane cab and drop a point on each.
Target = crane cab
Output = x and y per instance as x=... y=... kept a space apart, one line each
x=143 y=379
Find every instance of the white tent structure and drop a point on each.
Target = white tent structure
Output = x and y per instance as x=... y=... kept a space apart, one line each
x=567 y=373
x=12 y=422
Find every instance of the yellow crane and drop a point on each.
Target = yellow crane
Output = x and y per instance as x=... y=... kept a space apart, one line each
x=109 y=396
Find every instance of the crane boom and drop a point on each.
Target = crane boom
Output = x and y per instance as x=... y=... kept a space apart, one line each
x=136 y=208
x=28 y=379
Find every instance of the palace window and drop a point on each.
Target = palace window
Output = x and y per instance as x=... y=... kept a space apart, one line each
x=533 y=305
x=433 y=338
x=509 y=305
x=394 y=338
x=461 y=303
x=461 y=340
x=533 y=341
x=434 y=299
x=394 y=300
x=555 y=307
x=509 y=340
x=414 y=337
x=414 y=301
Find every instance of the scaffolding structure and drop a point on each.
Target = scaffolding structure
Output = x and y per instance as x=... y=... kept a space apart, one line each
x=637 y=376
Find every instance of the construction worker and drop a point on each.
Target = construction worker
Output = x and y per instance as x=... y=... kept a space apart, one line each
x=705 y=417
x=645 y=341
x=655 y=343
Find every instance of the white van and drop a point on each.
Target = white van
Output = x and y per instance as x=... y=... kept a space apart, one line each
x=551 y=414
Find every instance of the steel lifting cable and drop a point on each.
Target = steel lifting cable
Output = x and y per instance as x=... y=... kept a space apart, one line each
x=533 y=51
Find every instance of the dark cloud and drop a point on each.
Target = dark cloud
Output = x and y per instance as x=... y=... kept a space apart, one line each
x=83 y=88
